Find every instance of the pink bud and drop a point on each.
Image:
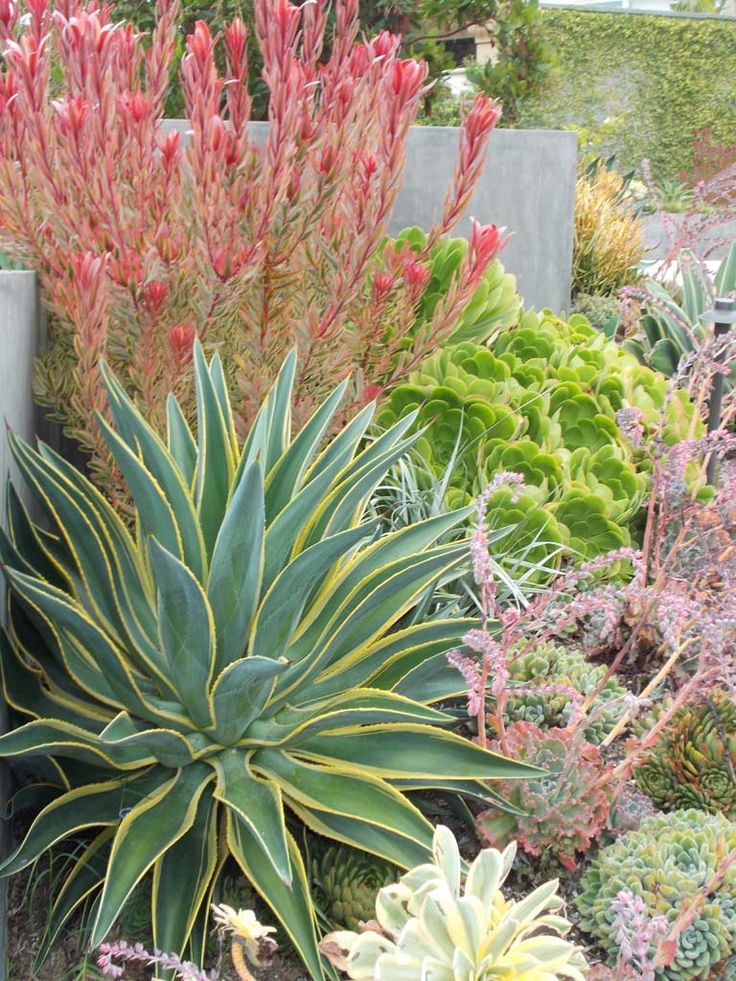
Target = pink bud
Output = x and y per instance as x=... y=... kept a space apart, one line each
x=181 y=338
x=486 y=242
x=200 y=44
x=8 y=15
x=169 y=147
x=155 y=296
x=373 y=392
x=72 y=114
x=483 y=116
x=236 y=37
x=384 y=45
x=407 y=78
x=415 y=277
x=383 y=283
x=137 y=106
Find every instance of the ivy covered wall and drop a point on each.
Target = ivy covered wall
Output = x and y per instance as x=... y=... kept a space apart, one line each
x=639 y=84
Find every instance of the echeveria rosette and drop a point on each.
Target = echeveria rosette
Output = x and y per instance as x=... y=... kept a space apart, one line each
x=446 y=922
x=694 y=762
x=216 y=666
x=348 y=882
x=495 y=304
x=666 y=862
x=533 y=698
x=566 y=810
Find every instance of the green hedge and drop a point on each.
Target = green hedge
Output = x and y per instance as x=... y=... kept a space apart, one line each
x=639 y=84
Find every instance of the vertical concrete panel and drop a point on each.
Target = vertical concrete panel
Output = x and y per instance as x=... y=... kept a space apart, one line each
x=19 y=335
x=528 y=185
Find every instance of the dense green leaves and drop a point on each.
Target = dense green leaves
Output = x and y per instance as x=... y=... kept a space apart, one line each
x=211 y=673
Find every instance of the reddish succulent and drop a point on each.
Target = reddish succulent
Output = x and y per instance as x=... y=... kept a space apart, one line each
x=564 y=811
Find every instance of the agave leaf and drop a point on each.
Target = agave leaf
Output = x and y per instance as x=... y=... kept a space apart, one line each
x=84 y=807
x=182 y=445
x=187 y=631
x=145 y=833
x=338 y=790
x=291 y=904
x=296 y=459
x=182 y=877
x=726 y=275
x=215 y=463
x=160 y=468
x=284 y=603
x=421 y=751
x=237 y=566
x=258 y=805
x=240 y=694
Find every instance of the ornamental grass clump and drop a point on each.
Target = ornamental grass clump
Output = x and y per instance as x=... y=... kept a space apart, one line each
x=144 y=240
x=679 y=867
x=209 y=680
x=441 y=920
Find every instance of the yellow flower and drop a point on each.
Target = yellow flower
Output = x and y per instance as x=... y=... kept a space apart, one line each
x=246 y=928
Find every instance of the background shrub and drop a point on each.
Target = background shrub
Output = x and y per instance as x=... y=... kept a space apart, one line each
x=652 y=81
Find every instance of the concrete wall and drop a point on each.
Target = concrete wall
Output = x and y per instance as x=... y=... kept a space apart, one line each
x=528 y=185
x=19 y=337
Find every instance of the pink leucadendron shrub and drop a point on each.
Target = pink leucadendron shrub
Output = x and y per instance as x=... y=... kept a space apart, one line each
x=144 y=241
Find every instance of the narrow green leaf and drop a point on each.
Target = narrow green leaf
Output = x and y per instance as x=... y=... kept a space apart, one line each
x=283 y=605
x=286 y=476
x=215 y=464
x=145 y=834
x=49 y=737
x=182 y=445
x=182 y=878
x=96 y=805
x=187 y=631
x=87 y=876
x=340 y=791
x=257 y=804
x=414 y=751
x=233 y=588
x=291 y=904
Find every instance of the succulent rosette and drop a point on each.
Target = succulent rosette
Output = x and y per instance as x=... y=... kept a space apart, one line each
x=667 y=862
x=348 y=882
x=543 y=683
x=565 y=811
x=694 y=762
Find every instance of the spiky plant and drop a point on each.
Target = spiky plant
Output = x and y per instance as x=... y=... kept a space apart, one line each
x=348 y=882
x=694 y=762
x=227 y=662
x=561 y=814
x=431 y=924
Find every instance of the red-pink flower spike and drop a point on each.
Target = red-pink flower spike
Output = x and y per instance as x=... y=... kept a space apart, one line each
x=260 y=245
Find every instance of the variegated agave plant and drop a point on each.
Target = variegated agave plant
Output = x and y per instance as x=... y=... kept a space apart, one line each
x=246 y=658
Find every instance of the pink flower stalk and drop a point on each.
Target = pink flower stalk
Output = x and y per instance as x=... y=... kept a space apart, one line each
x=260 y=247
x=637 y=934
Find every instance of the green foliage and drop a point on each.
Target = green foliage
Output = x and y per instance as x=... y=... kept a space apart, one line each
x=348 y=882
x=216 y=669
x=669 y=326
x=666 y=863
x=494 y=306
x=649 y=81
x=542 y=403
x=559 y=815
x=434 y=925
x=693 y=764
x=601 y=311
x=524 y=58
x=550 y=666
